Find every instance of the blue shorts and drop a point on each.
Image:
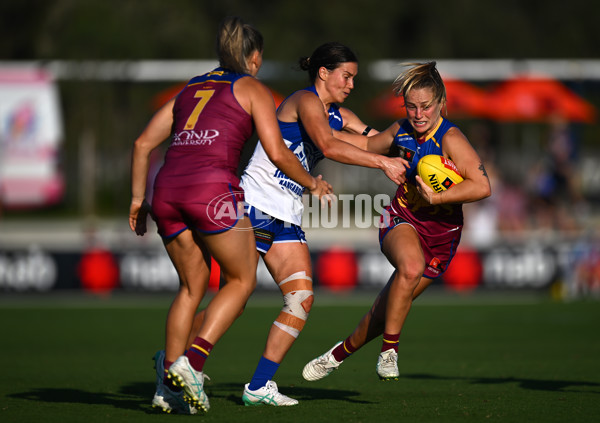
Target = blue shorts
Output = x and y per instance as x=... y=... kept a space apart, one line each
x=269 y=230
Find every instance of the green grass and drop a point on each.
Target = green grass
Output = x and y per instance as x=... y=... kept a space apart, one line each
x=86 y=359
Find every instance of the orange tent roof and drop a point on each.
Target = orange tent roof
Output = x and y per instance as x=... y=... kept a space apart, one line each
x=537 y=99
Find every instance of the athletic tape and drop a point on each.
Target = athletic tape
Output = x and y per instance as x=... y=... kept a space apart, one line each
x=297 y=275
x=288 y=329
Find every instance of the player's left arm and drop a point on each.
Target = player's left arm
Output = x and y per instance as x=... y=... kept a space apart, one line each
x=354 y=125
x=354 y=131
x=476 y=184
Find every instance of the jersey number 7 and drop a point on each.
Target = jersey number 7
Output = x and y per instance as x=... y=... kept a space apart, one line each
x=203 y=96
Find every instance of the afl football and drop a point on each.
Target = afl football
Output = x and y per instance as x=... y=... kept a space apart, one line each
x=438 y=172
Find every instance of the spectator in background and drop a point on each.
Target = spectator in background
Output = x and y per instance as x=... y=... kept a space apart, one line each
x=583 y=274
x=483 y=217
x=1 y=175
x=513 y=206
x=423 y=228
x=558 y=198
x=209 y=121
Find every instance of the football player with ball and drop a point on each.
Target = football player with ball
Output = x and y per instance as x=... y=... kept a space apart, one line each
x=421 y=229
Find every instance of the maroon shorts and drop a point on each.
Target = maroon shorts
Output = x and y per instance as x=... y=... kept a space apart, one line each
x=438 y=249
x=209 y=208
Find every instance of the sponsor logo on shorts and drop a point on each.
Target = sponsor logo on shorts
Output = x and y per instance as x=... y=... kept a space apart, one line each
x=436 y=266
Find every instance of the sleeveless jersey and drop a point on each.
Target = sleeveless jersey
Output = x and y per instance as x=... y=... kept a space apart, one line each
x=267 y=188
x=209 y=130
x=408 y=203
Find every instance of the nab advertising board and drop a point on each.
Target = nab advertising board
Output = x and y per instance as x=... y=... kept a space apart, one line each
x=30 y=135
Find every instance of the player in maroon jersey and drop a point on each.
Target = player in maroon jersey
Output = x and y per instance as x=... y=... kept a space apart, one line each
x=421 y=229
x=198 y=204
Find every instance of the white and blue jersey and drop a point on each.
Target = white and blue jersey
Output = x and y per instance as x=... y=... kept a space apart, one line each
x=267 y=188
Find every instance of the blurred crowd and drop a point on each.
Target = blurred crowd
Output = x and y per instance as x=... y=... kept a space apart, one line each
x=545 y=202
x=545 y=198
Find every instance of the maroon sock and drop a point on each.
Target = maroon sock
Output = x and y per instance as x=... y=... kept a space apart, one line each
x=198 y=353
x=168 y=381
x=343 y=351
x=166 y=364
x=390 y=342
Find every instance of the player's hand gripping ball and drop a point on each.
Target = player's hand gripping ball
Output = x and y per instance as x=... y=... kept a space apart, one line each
x=438 y=172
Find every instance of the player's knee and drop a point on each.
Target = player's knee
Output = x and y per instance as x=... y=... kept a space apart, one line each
x=244 y=286
x=308 y=303
x=298 y=303
x=293 y=315
x=407 y=281
x=411 y=273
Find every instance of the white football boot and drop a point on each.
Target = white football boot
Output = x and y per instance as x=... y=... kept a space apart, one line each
x=192 y=382
x=268 y=394
x=165 y=399
x=321 y=366
x=387 y=365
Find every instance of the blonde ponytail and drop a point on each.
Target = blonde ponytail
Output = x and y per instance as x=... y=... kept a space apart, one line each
x=236 y=41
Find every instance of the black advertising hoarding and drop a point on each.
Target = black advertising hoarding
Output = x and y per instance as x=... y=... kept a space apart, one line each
x=530 y=266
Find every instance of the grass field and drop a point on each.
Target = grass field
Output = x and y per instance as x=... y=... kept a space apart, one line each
x=85 y=359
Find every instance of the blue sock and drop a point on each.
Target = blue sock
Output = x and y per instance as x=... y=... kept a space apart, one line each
x=264 y=372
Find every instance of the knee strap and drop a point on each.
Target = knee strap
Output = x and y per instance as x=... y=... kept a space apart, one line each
x=293 y=315
x=293 y=303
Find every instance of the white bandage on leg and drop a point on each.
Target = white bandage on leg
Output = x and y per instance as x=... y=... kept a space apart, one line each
x=293 y=315
x=297 y=275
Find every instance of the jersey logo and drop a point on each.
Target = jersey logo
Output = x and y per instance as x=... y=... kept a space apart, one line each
x=333 y=115
x=406 y=153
